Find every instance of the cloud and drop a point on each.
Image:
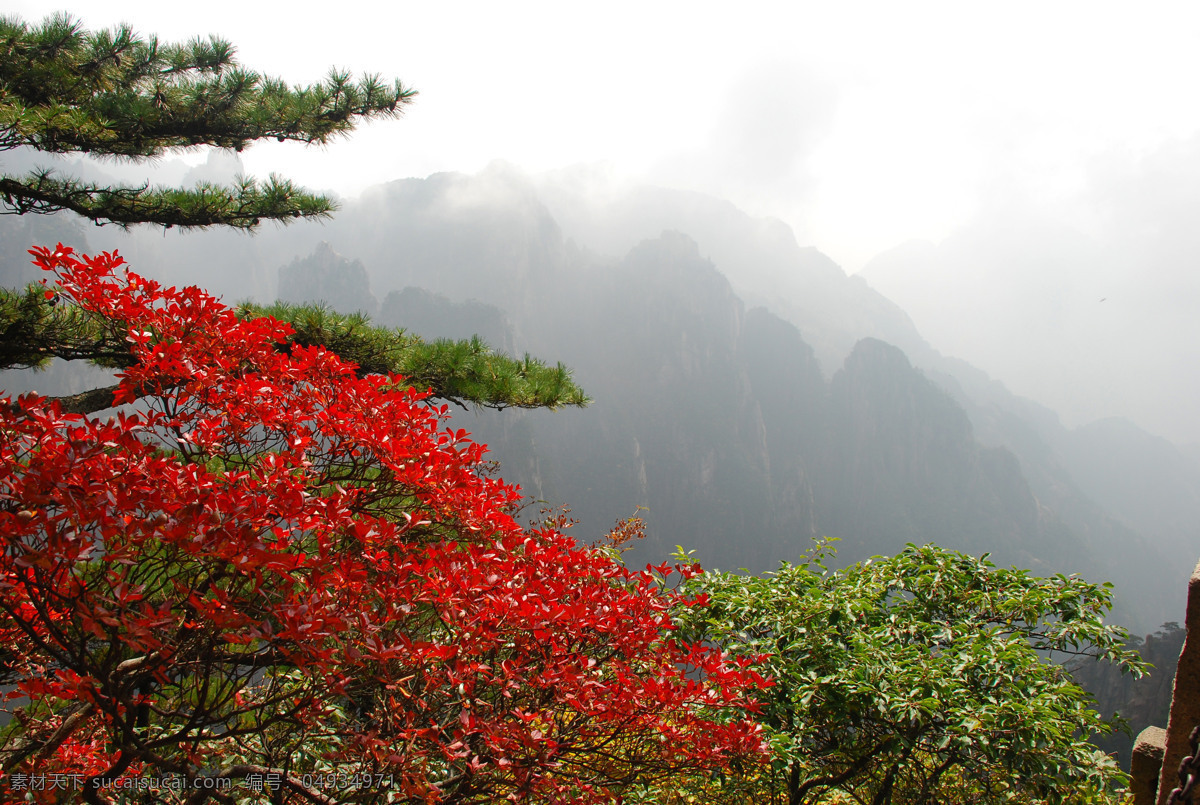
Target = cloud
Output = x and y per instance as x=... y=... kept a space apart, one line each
x=1017 y=290
x=769 y=123
x=220 y=167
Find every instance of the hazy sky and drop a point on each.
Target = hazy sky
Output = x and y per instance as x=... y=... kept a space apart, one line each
x=863 y=125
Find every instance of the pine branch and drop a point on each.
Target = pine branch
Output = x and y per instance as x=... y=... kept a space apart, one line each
x=243 y=206
x=33 y=329
x=458 y=371
x=112 y=93
x=88 y=402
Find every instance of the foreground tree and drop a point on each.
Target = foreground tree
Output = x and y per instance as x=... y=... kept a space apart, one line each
x=283 y=581
x=926 y=677
x=112 y=93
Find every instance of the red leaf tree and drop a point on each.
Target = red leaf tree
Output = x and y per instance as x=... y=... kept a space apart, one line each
x=277 y=581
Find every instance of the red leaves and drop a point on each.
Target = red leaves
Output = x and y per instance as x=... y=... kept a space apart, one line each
x=321 y=556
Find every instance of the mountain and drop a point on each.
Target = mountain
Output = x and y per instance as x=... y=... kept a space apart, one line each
x=747 y=392
x=760 y=257
x=330 y=279
x=834 y=311
x=901 y=459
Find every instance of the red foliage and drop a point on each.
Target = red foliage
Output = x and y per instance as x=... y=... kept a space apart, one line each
x=275 y=567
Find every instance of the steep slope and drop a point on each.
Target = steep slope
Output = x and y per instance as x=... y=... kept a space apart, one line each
x=329 y=278
x=1153 y=565
x=900 y=460
x=760 y=256
x=674 y=426
x=793 y=398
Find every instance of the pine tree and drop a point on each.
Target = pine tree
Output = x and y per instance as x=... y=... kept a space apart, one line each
x=112 y=93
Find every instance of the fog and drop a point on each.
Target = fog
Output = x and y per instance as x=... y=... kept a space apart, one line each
x=1091 y=309
x=1020 y=179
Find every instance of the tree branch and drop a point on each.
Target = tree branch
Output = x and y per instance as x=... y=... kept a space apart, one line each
x=87 y=402
x=243 y=770
x=75 y=714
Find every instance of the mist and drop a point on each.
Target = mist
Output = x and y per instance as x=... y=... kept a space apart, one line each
x=1007 y=197
x=1089 y=308
x=1044 y=154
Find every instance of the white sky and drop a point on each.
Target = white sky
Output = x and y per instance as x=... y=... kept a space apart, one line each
x=861 y=124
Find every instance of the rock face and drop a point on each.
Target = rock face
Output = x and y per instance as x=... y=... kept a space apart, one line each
x=675 y=426
x=1148 y=752
x=1185 y=704
x=793 y=399
x=900 y=459
x=327 y=277
x=436 y=316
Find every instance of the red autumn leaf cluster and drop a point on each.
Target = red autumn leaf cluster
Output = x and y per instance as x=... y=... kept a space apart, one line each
x=276 y=575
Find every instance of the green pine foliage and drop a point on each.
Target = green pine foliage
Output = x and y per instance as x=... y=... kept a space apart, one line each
x=35 y=328
x=113 y=93
x=459 y=371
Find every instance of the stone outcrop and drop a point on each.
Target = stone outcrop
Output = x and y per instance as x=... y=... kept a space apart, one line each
x=1147 y=762
x=1185 y=701
x=1158 y=752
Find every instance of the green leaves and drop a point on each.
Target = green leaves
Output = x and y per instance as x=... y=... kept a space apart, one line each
x=926 y=674
x=34 y=328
